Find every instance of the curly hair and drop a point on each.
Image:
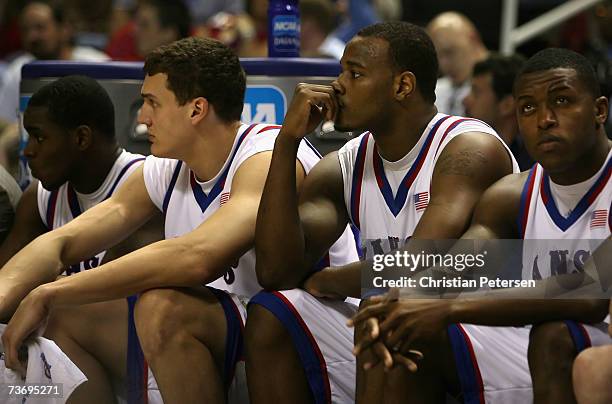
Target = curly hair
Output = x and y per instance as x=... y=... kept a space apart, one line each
x=201 y=67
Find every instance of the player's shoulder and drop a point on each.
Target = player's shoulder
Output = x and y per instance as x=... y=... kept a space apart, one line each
x=458 y=123
x=259 y=132
x=256 y=138
x=161 y=163
x=127 y=156
x=504 y=196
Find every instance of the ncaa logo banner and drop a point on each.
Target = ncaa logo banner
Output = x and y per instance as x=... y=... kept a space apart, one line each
x=264 y=104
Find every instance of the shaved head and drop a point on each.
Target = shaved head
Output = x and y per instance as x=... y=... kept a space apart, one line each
x=453 y=21
x=458 y=45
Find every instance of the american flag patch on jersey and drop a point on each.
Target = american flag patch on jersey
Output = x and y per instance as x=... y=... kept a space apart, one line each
x=224 y=197
x=421 y=200
x=599 y=218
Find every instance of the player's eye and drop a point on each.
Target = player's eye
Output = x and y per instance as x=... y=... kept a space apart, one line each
x=151 y=103
x=526 y=108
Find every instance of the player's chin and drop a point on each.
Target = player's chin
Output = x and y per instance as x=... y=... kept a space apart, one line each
x=48 y=184
x=158 y=151
x=553 y=163
x=340 y=125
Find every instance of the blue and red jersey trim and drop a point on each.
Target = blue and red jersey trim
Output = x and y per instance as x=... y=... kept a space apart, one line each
x=201 y=197
x=526 y=201
x=73 y=200
x=358 y=178
x=583 y=205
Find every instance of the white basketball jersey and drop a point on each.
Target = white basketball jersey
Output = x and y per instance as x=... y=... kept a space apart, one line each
x=187 y=202
x=588 y=224
x=60 y=206
x=386 y=200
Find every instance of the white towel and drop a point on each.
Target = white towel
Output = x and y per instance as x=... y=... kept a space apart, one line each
x=47 y=366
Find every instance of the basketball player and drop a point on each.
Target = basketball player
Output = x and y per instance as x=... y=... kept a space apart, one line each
x=415 y=174
x=191 y=335
x=73 y=152
x=566 y=196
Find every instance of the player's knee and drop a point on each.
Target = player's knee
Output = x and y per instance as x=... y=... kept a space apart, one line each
x=585 y=367
x=264 y=333
x=157 y=319
x=591 y=375
x=551 y=348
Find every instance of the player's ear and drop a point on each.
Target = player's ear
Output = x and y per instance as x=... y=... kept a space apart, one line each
x=405 y=84
x=83 y=137
x=601 y=110
x=198 y=110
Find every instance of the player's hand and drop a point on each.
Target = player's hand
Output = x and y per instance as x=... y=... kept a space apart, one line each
x=311 y=104
x=30 y=320
x=370 y=345
x=406 y=321
x=318 y=285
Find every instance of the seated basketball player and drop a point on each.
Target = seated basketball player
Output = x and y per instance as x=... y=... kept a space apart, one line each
x=566 y=196
x=73 y=152
x=414 y=174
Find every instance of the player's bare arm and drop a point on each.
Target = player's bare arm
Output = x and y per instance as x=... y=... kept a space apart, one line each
x=311 y=223
x=46 y=257
x=494 y=218
x=466 y=167
x=27 y=227
x=196 y=258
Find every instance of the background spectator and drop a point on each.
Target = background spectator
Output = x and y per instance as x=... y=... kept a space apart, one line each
x=318 y=20
x=156 y=22
x=459 y=47
x=490 y=99
x=45 y=35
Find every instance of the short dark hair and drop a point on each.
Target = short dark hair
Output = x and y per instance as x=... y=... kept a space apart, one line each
x=172 y=14
x=72 y=101
x=410 y=49
x=558 y=58
x=201 y=67
x=503 y=71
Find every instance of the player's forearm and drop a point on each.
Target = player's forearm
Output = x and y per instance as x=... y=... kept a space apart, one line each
x=341 y=281
x=168 y=263
x=517 y=312
x=36 y=264
x=279 y=237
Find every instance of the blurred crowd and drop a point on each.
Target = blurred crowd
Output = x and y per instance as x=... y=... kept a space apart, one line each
x=464 y=36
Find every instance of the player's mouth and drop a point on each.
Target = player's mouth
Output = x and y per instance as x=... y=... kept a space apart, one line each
x=548 y=142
